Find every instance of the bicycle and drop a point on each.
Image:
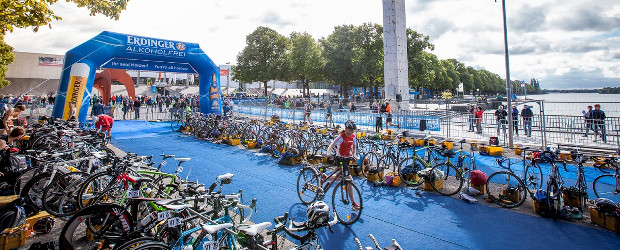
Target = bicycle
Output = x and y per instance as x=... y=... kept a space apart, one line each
x=508 y=190
x=312 y=184
x=394 y=246
x=608 y=185
x=555 y=183
x=453 y=176
x=308 y=241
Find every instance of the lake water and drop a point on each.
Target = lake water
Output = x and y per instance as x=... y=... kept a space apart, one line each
x=574 y=103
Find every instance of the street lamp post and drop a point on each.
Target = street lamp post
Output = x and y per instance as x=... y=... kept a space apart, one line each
x=227 y=78
x=510 y=127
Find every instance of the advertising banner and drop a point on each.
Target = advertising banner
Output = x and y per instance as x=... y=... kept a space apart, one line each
x=118 y=63
x=78 y=77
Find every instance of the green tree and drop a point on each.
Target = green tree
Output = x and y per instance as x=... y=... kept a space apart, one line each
x=305 y=60
x=264 y=58
x=34 y=14
x=368 y=56
x=338 y=54
x=418 y=46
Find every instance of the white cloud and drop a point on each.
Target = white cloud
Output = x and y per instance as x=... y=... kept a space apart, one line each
x=557 y=41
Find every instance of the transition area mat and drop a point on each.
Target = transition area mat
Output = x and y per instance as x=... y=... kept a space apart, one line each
x=417 y=219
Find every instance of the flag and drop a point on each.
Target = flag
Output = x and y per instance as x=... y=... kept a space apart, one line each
x=223 y=72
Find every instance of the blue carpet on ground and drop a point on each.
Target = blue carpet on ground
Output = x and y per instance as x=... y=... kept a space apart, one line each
x=417 y=219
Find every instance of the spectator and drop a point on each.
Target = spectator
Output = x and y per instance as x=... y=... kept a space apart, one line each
x=471 y=113
x=588 y=119
x=353 y=108
x=307 y=111
x=479 y=112
x=515 y=119
x=500 y=117
x=72 y=111
x=526 y=115
x=15 y=135
x=136 y=108
x=328 y=115
x=388 y=119
x=598 y=120
x=96 y=110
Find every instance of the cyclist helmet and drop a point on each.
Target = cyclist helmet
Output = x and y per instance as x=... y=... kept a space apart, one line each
x=317 y=213
x=606 y=205
x=350 y=125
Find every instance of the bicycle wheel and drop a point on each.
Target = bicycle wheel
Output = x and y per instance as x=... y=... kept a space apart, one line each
x=154 y=245
x=343 y=204
x=408 y=171
x=24 y=177
x=96 y=227
x=605 y=186
x=370 y=161
x=450 y=182
x=506 y=189
x=533 y=177
x=176 y=125
x=94 y=186
x=308 y=185
x=133 y=244
x=35 y=187
x=554 y=195
x=60 y=196
x=388 y=164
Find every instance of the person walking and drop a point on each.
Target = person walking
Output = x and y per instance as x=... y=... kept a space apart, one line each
x=96 y=110
x=471 y=113
x=526 y=116
x=479 y=112
x=329 y=121
x=500 y=118
x=515 y=119
x=388 y=119
x=588 y=119
x=598 y=121
x=307 y=111
x=136 y=108
x=104 y=124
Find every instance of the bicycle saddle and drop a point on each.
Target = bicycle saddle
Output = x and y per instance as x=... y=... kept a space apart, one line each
x=462 y=141
x=140 y=180
x=254 y=229
x=225 y=176
x=214 y=228
x=167 y=156
x=182 y=159
x=175 y=207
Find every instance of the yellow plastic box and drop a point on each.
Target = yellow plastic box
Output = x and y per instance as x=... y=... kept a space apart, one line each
x=13 y=238
x=448 y=144
x=438 y=185
x=495 y=151
x=482 y=188
x=234 y=142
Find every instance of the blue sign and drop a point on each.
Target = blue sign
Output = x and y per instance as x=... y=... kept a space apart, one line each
x=117 y=63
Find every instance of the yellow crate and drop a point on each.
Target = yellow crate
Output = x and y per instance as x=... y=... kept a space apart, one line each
x=13 y=237
x=565 y=156
x=32 y=219
x=539 y=207
x=483 y=148
x=419 y=142
x=373 y=177
x=7 y=199
x=448 y=144
x=395 y=179
x=252 y=144
x=495 y=151
x=514 y=197
x=596 y=217
x=438 y=185
x=482 y=188
x=571 y=201
x=518 y=151
x=296 y=160
x=234 y=142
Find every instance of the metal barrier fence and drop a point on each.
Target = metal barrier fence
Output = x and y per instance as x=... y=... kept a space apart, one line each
x=546 y=130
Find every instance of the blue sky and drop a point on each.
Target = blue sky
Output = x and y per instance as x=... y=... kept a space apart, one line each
x=564 y=44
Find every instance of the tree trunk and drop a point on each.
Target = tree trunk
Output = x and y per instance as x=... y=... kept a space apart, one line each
x=265 y=82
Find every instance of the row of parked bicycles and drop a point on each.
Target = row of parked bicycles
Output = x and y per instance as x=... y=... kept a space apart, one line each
x=416 y=161
x=128 y=202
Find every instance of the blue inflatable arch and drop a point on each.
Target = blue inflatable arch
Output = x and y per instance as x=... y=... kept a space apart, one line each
x=121 y=51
